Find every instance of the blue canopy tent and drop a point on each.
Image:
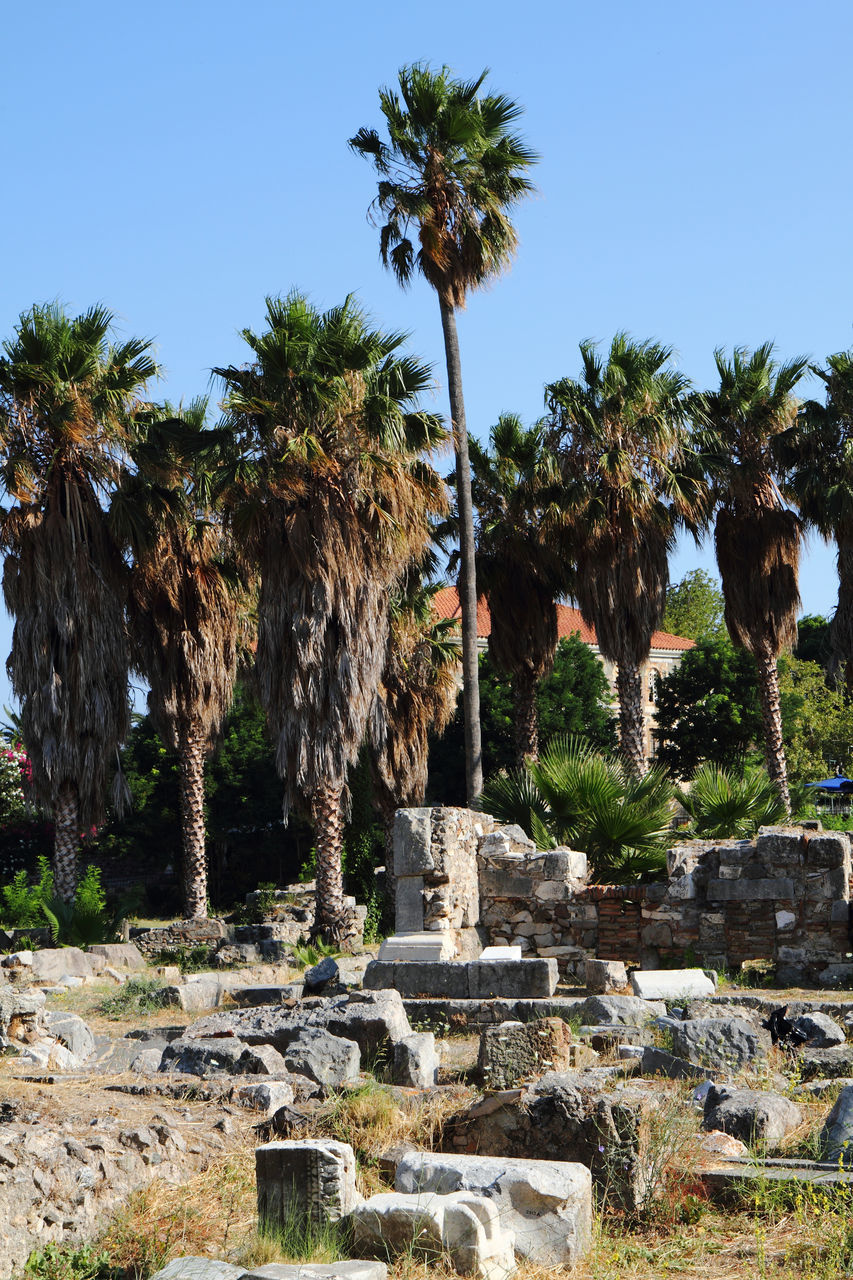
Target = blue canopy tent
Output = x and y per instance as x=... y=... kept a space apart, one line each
x=836 y=798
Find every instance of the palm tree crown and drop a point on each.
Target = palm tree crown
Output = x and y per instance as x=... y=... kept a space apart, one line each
x=631 y=480
x=756 y=534
x=67 y=399
x=816 y=457
x=330 y=498
x=523 y=564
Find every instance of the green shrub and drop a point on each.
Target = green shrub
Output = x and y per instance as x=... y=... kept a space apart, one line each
x=137 y=996
x=68 y=1263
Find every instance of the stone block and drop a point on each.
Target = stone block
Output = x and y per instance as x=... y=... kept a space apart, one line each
x=195 y=996
x=326 y=1059
x=52 y=964
x=427 y=978
x=658 y=1062
x=762 y=890
x=514 y=979
x=119 y=955
x=785 y=920
x=604 y=977
x=409 y=905
x=723 y=1045
x=436 y=945
x=463 y=1226
x=500 y=953
x=304 y=1181
x=265 y=1096
x=547 y=1204
x=627 y=1011
x=752 y=1115
x=672 y=984
x=415 y=1061
x=515 y=1051
x=836 y=1138
x=360 y=1269
x=412 y=842
x=72 y=1031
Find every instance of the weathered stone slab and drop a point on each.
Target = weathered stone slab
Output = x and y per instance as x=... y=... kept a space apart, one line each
x=753 y=1115
x=119 y=955
x=836 y=1138
x=72 y=1031
x=720 y=1045
x=326 y=1059
x=743 y=890
x=477 y=979
x=52 y=964
x=500 y=953
x=828 y=1064
x=359 y=1269
x=547 y=1204
x=628 y=1011
x=304 y=1182
x=604 y=977
x=409 y=905
x=512 y=978
x=415 y=1062
x=438 y=945
x=463 y=1226
x=515 y=1051
x=412 y=842
x=672 y=984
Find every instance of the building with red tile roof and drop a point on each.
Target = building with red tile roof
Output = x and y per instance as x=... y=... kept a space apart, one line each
x=665 y=654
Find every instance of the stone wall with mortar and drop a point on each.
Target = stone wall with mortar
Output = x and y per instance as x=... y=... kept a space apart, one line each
x=785 y=897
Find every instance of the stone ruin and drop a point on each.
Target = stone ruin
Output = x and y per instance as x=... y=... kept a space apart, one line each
x=463 y=880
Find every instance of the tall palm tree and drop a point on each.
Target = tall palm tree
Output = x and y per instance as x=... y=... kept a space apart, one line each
x=67 y=399
x=757 y=536
x=631 y=481
x=330 y=498
x=185 y=607
x=523 y=562
x=451 y=169
x=816 y=456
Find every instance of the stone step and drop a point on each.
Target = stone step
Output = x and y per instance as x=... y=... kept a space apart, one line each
x=750 y=1173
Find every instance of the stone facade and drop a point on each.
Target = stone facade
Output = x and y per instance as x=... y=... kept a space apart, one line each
x=784 y=897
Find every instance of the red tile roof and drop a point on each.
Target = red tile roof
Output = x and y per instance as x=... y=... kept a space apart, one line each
x=569 y=621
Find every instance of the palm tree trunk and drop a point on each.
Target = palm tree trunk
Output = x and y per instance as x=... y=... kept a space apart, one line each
x=629 y=690
x=841 y=632
x=191 y=753
x=771 y=715
x=525 y=716
x=65 y=842
x=467 y=573
x=330 y=919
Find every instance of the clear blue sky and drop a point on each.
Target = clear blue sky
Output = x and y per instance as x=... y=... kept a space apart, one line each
x=180 y=160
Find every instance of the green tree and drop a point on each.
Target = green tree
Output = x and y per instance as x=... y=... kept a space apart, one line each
x=814 y=640
x=707 y=710
x=574 y=699
x=522 y=562
x=757 y=536
x=630 y=482
x=451 y=169
x=68 y=396
x=694 y=608
x=330 y=498
x=817 y=721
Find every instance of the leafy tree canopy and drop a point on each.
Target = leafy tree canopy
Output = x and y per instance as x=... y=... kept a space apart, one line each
x=694 y=608
x=813 y=639
x=574 y=699
x=817 y=721
x=708 y=710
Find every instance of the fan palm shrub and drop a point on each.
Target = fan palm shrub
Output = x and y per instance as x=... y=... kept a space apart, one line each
x=450 y=171
x=726 y=804
x=577 y=797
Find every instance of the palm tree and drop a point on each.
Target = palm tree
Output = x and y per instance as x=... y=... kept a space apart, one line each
x=522 y=565
x=67 y=398
x=757 y=535
x=452 y=169
x=631 y=480
x=417 y=697
x=816 y=456
x=184 y=608
x=330 y=498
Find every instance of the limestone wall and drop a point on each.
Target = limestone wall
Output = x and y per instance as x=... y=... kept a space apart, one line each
x=785 y=897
